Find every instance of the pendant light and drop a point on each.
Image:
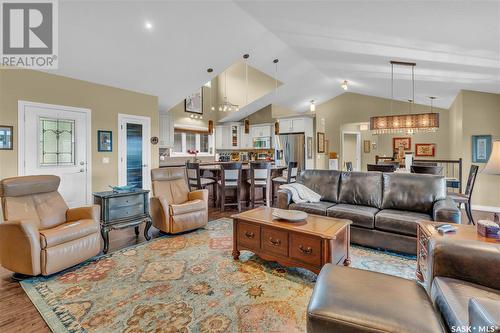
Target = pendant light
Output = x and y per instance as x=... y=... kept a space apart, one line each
x=312 y=106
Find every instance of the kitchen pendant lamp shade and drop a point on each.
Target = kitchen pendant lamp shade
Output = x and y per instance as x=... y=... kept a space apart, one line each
x=493 y=165
x=407 y=123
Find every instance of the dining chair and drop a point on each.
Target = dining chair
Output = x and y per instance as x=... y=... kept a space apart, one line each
x=260 y=177
x=465 y=198
x=230 y=178
x=427 y=169
x=197 y=182
x=289 y=176
x=381 y=167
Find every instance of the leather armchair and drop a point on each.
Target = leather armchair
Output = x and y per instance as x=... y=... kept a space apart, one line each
x=174 y=208
x=40 y=234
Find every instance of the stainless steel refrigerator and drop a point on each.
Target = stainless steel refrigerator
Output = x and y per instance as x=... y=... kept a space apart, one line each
x=293 y=148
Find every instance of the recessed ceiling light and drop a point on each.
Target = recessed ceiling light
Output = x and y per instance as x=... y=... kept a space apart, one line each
x=148 y=25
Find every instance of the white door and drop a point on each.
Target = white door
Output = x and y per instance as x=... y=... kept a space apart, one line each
x=134 y=151
x=55 y=140
x=351 y=150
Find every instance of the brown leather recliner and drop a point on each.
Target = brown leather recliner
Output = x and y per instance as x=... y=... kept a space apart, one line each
x=173 y=208
x=40 y=234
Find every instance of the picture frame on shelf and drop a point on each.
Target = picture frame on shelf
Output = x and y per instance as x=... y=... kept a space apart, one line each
x=321 y=142
x=481 y=148
x=104 y=141
x=366 y=146
x=425 y=149
x=405 y=142
x=6 y=137
x=194 y=102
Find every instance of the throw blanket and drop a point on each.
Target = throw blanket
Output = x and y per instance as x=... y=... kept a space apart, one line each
x=301 y=193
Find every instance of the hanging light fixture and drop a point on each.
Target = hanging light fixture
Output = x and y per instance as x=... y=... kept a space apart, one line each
x=312 y=106
x=227 y=106
x=405 y=123
x=344 y=85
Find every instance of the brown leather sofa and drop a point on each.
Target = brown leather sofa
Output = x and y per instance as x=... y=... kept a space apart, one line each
x=384 y=207
x=463 y=295
x=40 y=234
x=173 y=207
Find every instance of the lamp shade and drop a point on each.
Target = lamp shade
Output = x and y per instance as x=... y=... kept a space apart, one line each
x=493 y=165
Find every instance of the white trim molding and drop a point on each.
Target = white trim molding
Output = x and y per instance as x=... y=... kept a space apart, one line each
x=491 y=209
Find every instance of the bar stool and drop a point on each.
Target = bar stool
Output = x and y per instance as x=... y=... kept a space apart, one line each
x=195 y=181
x=230 y=179
x=465 y=198
x=290 y=177
x=260 y=177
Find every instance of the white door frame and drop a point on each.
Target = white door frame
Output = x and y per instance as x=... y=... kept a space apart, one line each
x=356 y=167
x=21 y=112
x=146 y=122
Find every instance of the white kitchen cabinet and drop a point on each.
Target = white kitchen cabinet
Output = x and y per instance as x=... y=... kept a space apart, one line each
x=245 y=139
x=166 y=129
x=259 y=131
x=227 y=136
x=292 y=125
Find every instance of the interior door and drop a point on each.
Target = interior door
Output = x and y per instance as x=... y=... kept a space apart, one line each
x=55 y=140
x=134 y=150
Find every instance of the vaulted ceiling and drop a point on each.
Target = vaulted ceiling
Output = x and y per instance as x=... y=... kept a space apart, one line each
x=456 y=45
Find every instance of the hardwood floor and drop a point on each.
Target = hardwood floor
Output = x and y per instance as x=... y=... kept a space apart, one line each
x=17 y=313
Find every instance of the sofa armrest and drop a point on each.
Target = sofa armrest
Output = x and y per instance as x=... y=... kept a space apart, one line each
x=446 y=211
x=284 y=199
x=199 y=194
x=160 y=212
x=466 y=260
x=20 y=246
x=84 y=213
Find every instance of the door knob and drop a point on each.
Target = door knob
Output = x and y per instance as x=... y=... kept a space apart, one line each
x=82 y=163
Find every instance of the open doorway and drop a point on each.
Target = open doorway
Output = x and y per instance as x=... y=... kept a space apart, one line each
x=351 y=151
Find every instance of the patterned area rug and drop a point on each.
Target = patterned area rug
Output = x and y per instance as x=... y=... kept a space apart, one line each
x=187 y=283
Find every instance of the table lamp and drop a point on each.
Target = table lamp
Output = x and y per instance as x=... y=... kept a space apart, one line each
x=493 y=166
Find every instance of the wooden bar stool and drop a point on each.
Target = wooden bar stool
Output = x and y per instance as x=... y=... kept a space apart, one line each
x=289 y=177
x=196 y=182
x=230 y=179
x=260 y=177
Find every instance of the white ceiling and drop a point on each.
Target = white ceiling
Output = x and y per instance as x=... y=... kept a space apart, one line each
x=456 y=45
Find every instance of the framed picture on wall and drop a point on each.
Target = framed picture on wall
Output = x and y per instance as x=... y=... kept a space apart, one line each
x=6 y=137
x=104 y=141
x=194 y=102
x=481 y=148
x=321 y=142
x=425 y=149
x=309 y=147
x=366 y=146
x=401 y=142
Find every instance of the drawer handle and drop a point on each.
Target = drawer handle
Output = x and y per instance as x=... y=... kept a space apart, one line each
x=308 y=250
x=276 y=242
x=249 y=234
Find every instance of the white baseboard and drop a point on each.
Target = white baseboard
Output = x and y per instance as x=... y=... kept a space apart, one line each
x=491 y=209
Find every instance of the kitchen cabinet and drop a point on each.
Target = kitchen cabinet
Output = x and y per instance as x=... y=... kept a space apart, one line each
x=245 y=139
x=292 y=125
x=259 y=131
x=227 y=136
x=166 y=128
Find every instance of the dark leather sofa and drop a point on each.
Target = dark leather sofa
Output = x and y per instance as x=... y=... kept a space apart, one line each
x=384 y=207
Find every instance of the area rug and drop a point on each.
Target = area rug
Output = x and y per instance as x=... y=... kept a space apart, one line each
x=187 y=283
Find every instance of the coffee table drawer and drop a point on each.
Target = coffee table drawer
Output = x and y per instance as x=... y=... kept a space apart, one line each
x=249 y=235
x=306 y=249
x=275 y=241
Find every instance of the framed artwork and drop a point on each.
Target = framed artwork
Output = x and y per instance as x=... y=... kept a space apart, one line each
x=6 y=137
x=404 y=142
x=321 y=142
x=425 y=149
x=481 y=148
x=309 y=147
x=104 y=141
x=366 y=146
x=194 y=102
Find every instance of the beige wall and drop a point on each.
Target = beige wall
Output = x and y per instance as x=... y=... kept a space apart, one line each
x=104 y=101
x=351 y=108
x=263 y=116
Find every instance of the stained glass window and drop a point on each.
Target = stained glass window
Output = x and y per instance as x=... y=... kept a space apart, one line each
x=57 y=142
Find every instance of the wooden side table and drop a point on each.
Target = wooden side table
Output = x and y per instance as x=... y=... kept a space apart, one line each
x=427 y=230
x=123 y=210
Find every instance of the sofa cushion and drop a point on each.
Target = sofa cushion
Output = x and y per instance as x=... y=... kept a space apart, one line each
x=323 y=182
x=484 y=313
x=399 y=221
x=361 y=188
x=451 y=297
x=362 y=216
x=350 y=300
x=67 y=232
x=187 y=207
x=413 y=192
x=317 y=208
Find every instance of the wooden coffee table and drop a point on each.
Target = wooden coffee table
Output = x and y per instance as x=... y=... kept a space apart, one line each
x=309 y=244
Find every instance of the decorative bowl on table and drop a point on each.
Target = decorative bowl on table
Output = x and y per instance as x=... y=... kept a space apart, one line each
x=122 y=188
x=289 y=215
